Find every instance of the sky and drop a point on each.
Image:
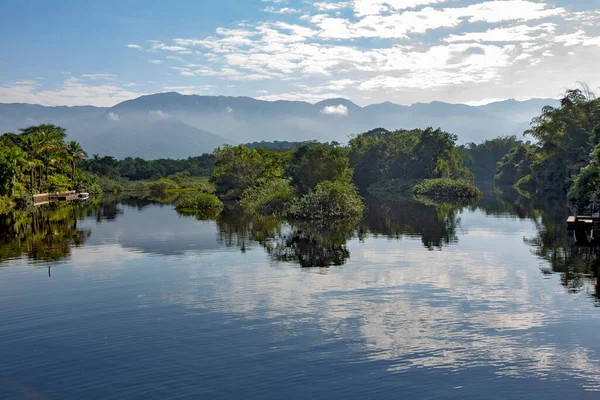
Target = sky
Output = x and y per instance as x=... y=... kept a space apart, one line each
x=369 y=51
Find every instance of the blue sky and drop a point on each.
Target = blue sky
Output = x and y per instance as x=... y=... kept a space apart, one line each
x=370 y=51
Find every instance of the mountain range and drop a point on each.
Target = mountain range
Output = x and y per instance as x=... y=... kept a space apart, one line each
x=172 y=125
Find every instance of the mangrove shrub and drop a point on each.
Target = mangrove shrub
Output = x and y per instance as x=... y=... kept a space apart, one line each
x=445 y=187
x=272 y=198
x=328 y=201
x=202 y=202
x=163 y=184
x=312 y=164
x=239 y=168
x=395 y=160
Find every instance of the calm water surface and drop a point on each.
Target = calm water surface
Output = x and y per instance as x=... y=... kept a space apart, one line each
x=129 y=300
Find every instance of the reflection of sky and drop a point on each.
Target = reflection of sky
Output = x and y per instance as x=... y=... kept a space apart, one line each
x=154 y=229
x=477 y=317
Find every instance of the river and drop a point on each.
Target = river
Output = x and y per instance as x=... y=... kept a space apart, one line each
x=127 y=299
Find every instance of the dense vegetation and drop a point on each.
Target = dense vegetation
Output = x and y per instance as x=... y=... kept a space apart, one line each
x=284 y=145
x=317 y=181
x=565 y=159
x=393 y=163
x=39 y=159
x=312 y=182
x=482 y=159
x=136 y=169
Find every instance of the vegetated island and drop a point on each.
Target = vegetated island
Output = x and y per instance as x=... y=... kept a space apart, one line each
x=324 y=181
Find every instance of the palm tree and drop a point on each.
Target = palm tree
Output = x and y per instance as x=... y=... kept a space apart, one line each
x=15 y=159
x=55 y=133
x=75 y=154
x=18 y=158
x=33 y=144
x=33 y=164
x=44 y=142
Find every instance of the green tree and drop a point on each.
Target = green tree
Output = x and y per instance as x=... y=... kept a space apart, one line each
x=482 y=159
x=396 y=161
x=312 y=164
x=563 y=159
x=75 y=154
x=239 y=168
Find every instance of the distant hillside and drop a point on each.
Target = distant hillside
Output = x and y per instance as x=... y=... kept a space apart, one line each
x=153 y=139
x=178 y=126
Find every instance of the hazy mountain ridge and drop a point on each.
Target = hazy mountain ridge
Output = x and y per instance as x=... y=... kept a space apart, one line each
x=178 y=126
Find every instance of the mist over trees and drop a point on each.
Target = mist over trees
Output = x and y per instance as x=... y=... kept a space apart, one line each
x=560 y=157
x=171 y=125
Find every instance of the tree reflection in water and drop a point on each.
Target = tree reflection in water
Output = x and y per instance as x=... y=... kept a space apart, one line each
x=47 y=233
x=578 y=266
x=433 y=221
x=313 y=244
x=237 y=229
x=309 y=244
x=44 y=234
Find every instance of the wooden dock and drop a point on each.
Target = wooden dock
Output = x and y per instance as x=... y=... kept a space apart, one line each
x=587 y=220
x=45 y=198
x=585 y=228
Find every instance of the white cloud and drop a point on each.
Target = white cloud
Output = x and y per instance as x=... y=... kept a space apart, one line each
x=158 y=114
x=162 y=46
x=73 y=92
x=25 y=83
x=490 y=42
x=326 y=6
x=397 y=50
x=340 y=109
x=375 y=7
x=298 y=96
x=284 y=10
x=229 y=109
x=519 y=33
x=578 y=38
x=402 y=25
x=108 y=77
x=113 y=116
x=192 y=89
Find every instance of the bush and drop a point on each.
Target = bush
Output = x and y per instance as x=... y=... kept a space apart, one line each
x=316 y=163
x=59 y=183
x=445 y=187
x=272 y=198
x=6 y=204
x=203 y=202
x=586 y=187
x=88 y=182
x=110 y=185
x=163 y=184
x=200 y=183
x=328 y=201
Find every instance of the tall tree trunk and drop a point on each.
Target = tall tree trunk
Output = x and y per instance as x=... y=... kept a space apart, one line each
x=47 y=166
